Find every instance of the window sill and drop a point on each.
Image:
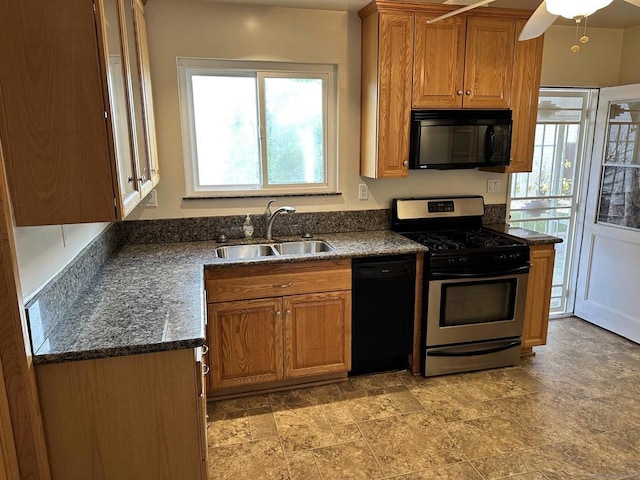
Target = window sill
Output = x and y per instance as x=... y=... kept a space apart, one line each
x=278 y=195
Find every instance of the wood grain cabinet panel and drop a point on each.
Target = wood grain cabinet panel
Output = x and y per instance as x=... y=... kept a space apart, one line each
x=76 y=123
x=299 y=327
x=317 y=333
x=386 y=94
x=488 y=70
x=536 y=320
x=123 y=417
x=524 y=101
x=438 y=67
x=246 y=342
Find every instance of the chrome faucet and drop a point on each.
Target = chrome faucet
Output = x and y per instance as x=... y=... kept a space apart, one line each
x=270 y=217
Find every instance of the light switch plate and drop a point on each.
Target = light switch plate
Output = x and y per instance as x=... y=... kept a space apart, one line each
x=363 y=191
x=493 y=185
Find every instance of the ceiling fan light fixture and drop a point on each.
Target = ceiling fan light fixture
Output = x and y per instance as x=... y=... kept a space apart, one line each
x=575 y=8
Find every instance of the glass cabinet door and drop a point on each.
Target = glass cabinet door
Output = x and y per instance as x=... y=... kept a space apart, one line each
x=119 y=102
x=136 y=99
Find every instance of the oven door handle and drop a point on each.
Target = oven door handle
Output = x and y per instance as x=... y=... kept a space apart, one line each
x=447 y=353
x=484 y=274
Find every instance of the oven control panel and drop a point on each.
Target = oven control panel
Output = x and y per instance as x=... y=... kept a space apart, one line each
x=441 y=206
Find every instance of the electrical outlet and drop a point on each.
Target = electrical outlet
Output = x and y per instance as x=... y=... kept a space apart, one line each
x=493 y=185
x=363 y=191
x=150 y=200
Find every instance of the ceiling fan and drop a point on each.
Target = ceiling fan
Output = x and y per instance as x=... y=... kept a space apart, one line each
x=547 y=13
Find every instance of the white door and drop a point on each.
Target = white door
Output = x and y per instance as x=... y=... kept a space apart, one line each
x=608 y=290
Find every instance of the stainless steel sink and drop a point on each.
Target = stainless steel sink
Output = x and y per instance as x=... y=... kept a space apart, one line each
x=246 y=251
x=302 y=247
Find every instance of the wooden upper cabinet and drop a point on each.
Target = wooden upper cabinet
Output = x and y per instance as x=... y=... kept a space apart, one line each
x=438 y=68
x=488 y=70
x=524 y=100
x=387 y=60
x=463 y=62
x=72 y=121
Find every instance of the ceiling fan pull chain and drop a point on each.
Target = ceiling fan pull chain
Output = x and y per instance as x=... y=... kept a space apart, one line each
x=575 y=48
x=584 y=38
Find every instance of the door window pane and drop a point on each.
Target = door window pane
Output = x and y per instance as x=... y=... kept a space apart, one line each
x=620 y=187
x=226 y=126
x=294 y=129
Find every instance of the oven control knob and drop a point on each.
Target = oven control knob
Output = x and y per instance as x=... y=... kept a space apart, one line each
x=451 y=261
x=501 y=257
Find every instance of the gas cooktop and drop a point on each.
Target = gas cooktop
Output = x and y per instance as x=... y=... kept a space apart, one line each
x=452 y=230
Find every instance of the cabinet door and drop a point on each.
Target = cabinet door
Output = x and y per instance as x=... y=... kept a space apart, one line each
x=147 y=96
x=394 y=90
x=55 y=140
x=438 y=62
x=317 y=333
x=113 y=34
x=489 y=62
x=524 y=100
x=245 y=342
x=136 y=99
x=536 y=318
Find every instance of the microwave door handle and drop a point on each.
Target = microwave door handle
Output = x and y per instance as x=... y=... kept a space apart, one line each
x=489 y=140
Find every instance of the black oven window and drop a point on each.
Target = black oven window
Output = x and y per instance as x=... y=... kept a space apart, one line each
x=477 y=302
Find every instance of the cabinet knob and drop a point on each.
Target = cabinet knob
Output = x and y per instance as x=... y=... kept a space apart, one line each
x=468 y=92
x=278 y=313
x=288 y=312
x=459 y=92
x=130 y=179
x=153 y=170
x=142 y=179
x=405 y=163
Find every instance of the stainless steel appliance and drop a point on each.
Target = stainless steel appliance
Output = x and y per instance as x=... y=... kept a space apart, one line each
x=475 y=283
x=446 y=139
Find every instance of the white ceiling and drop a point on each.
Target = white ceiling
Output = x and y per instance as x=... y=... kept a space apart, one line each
x=619 y=14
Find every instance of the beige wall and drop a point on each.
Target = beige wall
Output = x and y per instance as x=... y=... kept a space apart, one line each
x=191 y=29
x=596 y=64
x=630 y=58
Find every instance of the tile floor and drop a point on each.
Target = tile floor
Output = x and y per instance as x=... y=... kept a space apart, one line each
x=570 y=412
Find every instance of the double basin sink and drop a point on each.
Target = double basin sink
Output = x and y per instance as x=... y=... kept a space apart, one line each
x=272 y=249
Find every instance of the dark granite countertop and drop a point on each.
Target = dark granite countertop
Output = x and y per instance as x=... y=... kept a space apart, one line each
x=530 y=236
x=149 y=297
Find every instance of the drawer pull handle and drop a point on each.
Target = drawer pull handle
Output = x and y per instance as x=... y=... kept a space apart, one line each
x=205 y=369
x=283 y=285
x=205 y=349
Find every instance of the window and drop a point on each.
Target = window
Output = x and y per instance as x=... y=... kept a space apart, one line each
x=545 y=199
x=257 y=128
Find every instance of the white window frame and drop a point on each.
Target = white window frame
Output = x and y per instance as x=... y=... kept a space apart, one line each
x=187 y=67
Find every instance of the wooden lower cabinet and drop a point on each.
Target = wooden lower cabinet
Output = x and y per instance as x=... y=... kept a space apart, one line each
x=536 y=319
x=137 y=416
x=281 y=339
x=245 y=339
x=317 y=334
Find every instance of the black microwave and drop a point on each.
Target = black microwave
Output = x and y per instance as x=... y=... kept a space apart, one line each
x=446 y=139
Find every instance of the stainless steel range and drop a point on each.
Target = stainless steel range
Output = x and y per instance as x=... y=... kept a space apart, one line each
x=475 y=284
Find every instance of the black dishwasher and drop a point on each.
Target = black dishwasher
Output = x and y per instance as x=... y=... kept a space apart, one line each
x=383 y=296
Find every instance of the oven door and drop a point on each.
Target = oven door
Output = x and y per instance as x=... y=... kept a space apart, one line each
x=470 y=307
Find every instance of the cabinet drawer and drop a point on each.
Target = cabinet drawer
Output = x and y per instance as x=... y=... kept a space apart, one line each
x=262 y=281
